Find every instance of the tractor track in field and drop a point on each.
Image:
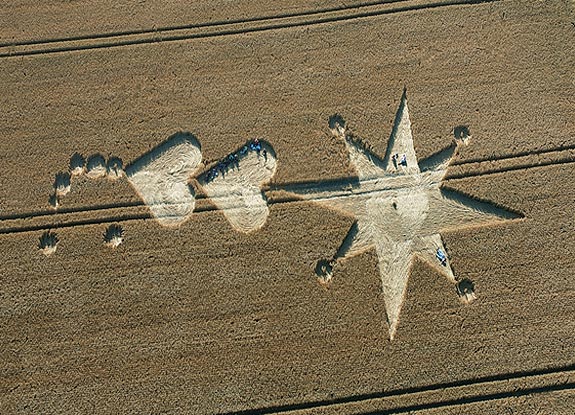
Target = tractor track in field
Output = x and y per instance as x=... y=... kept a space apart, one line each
x=138 y=210
x=224 y=28
x=483 y=389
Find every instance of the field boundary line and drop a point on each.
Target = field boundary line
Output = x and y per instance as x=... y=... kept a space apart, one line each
x=507 y=382
x=237 y=27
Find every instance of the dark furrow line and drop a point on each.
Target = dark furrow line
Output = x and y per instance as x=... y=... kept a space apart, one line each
x=82 y=209
x=110 y=219
x=430 y=388
x=336 y=183
x=40 y=213
x=277 y=200
x=515 y=155
x=71 y=224
x=474 y=399
x=230 y=22
x=510 y=168
x=339 y=183
x=245 y=30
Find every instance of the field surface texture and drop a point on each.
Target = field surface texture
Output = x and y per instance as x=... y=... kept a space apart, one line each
x=304 y=207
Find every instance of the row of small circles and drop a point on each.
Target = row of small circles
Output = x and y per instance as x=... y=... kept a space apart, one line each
x=49 y=240
x=93 y=167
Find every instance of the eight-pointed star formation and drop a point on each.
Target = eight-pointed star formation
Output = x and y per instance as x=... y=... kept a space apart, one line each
x=399 y=207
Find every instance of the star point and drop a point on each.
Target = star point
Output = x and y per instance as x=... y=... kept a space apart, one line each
x=400 y=209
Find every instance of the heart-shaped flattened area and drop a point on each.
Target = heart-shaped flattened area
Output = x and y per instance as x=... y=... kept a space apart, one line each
x=234 y=184
x=161 y=178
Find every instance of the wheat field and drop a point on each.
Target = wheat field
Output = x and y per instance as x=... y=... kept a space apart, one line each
x=202 y=211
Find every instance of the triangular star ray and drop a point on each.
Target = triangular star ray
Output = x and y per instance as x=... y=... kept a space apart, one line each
x=450 y=209
x=401 y=144
x=394 y=265
x=366 y=164
x=427 y=247
x=399 y=210
x=438 y=161
x=358 y=240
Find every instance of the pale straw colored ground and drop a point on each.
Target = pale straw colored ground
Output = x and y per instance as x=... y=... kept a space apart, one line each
x=400 y=210
x=161 y=178
x=238 y=193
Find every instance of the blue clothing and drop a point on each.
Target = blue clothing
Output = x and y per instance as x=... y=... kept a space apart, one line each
x=441 y=256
